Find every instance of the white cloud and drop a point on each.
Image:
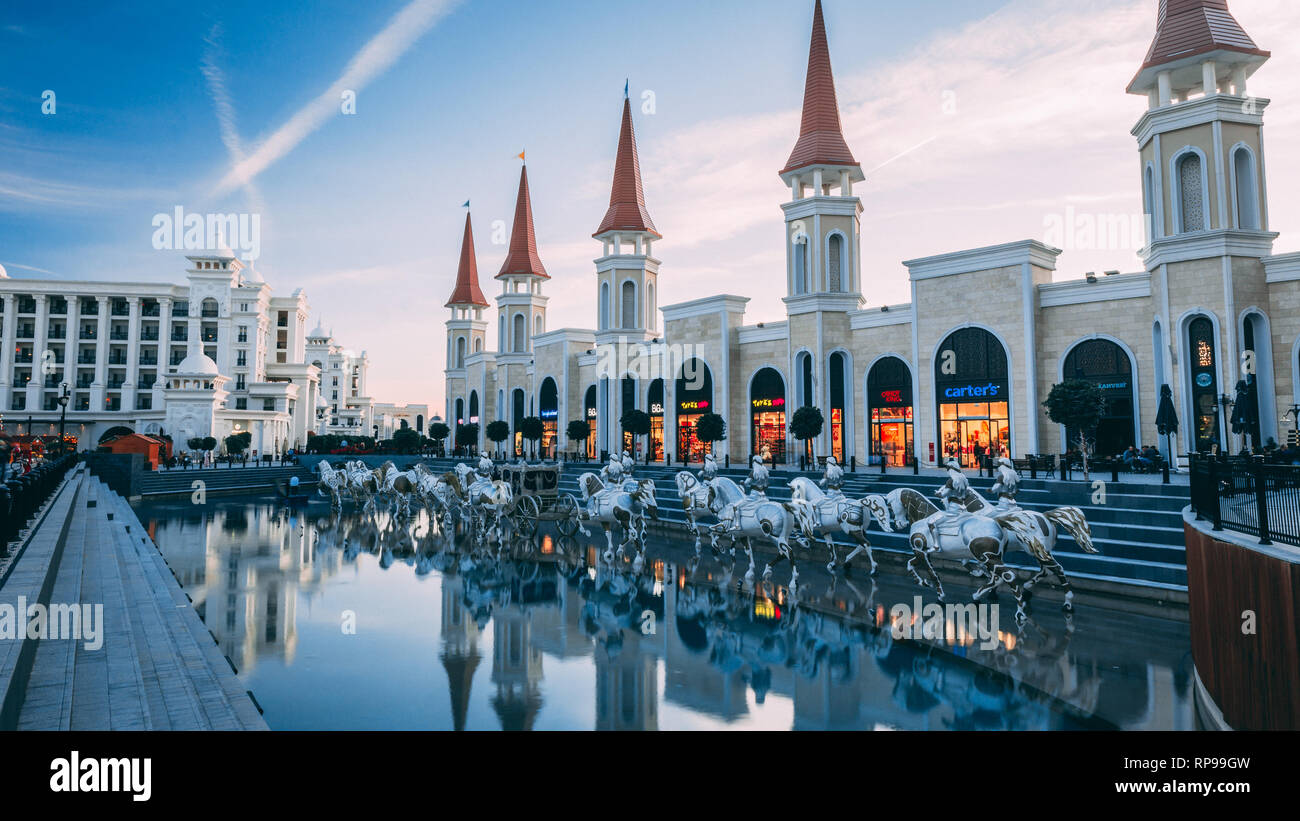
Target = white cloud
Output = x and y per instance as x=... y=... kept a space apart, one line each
x=384 y=49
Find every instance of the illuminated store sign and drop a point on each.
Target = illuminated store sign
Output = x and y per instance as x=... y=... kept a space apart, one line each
x=591 y=413
x=700 y=405
x=550 y=414
x=973 y=391
x=892 y=397
x=656 y=409
x=779 y=402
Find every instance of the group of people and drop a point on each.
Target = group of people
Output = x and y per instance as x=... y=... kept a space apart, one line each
x=1142 y=461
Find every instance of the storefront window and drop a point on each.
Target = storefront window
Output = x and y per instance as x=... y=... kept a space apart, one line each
x=656 y=411
x=1205 y=383
x=972 y=391
x=549 y=413
x=839 y=426
x=694 y=399
x=889 y=395
x=593 y=419
x=767 y=415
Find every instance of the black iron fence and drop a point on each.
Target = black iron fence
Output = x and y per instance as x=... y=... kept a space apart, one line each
x=1247 y=495
x=21 y=495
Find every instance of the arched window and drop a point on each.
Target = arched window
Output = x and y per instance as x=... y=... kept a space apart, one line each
x=694 y=396
x=1191 y=193
x=1149 y=201
x=837 y=371
x=502 y=344
x=1247 y=191
x=548 y=409
x=460 y=413
x=1202 y=364
x=604 y=306
x=889 y=397
x=518 y=412
x=629 y=304
x=460 y=352
x=1106 y=365
x=478 y=345
x=650 y=306
x=973 y=391
x=592 y=416
x=800 y=251
x=473 y=406
x=835 y=264
x=521 y=334
x=767 y=415
x=538 y=327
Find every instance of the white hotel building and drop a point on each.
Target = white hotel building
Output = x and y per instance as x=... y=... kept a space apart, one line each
x=345 y=407
x=217 y=355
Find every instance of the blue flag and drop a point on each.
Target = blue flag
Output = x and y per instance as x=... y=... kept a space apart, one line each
x=626 y=85
x=466 y=205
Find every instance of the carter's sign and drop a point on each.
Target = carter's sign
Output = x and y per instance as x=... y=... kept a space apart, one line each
x=973 y=391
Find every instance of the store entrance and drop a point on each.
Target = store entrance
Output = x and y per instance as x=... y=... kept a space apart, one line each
x=973 y=430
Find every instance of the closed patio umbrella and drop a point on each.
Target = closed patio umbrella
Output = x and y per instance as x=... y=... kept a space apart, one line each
x=1245 y=412
x=1167 y=420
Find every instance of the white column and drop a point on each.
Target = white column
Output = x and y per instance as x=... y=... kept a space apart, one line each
x=1209 y=78
x=36 y=387
x=1239 y=81
x=101 y=357
x=1164 y=86
x=132 y=354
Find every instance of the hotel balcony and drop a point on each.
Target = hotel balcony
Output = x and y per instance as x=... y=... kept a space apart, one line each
x=180 y=337
x=86 y=359
x=26 y=332
x=148 y=360
x=118 y=335
x=57 y=333
x=150 y=309
x=149 y=335
x=87 y=333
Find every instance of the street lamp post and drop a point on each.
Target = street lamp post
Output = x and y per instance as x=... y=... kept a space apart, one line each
x=64 y=397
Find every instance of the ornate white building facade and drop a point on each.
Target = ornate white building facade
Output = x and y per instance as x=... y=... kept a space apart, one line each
x=217 y=355
x=967 y=363
x=344 y=406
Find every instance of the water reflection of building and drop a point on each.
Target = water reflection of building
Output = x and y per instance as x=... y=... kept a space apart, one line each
x=459 y=656
x=245 y=568
x=516 y=669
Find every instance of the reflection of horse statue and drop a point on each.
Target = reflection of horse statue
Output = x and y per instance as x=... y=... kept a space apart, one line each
x=626 y=505
x=745 y=518
x=817 y=511
x=694 y=494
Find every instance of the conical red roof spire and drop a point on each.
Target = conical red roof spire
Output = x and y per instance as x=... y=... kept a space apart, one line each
x=467 y=291
x=1189 y=28
x=522 y=259
x=821 y=141
x=627 y=211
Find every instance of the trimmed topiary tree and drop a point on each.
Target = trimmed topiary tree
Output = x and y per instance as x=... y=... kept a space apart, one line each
x=1079 y=405
x=498 y=432
x=532 y=429
x=806 y=425
x=710 y=428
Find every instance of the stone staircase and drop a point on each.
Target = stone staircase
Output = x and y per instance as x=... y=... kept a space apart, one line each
x=223 y=480
x=158 y=667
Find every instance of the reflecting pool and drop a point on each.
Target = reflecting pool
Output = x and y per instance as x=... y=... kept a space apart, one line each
x=343 y=622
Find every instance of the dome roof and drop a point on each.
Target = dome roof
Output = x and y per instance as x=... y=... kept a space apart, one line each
x=198 y=363
x=250 y=274
x=319 y=332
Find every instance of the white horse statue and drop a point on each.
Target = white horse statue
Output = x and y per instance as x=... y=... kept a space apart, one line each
x=745 y=518
x=626 y=505
x=332 y=483
x=818 y=512
x=694 y=494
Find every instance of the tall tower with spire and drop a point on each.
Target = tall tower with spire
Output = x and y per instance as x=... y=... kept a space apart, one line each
x=466 y=329
x=822 y=216
x=626 y=273
x=823 y=232
x=1203 y=190
x=521 y=307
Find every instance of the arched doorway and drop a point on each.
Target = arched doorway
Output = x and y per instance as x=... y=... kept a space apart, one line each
x=655 y=407
x=767 y=415
x=548 y=410
x=694 y=399
x=1106 y=365
x=1203 y=379
x=838 y=421
x=518 y=411
x=972 y=391
x=889 y=396
x=592 y=415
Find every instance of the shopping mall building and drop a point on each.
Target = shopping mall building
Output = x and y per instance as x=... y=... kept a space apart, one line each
x=988 y=332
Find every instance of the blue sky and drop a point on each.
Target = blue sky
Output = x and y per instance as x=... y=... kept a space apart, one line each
x=363 y=211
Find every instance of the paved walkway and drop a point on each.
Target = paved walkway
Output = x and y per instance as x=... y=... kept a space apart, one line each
x=151 y=665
